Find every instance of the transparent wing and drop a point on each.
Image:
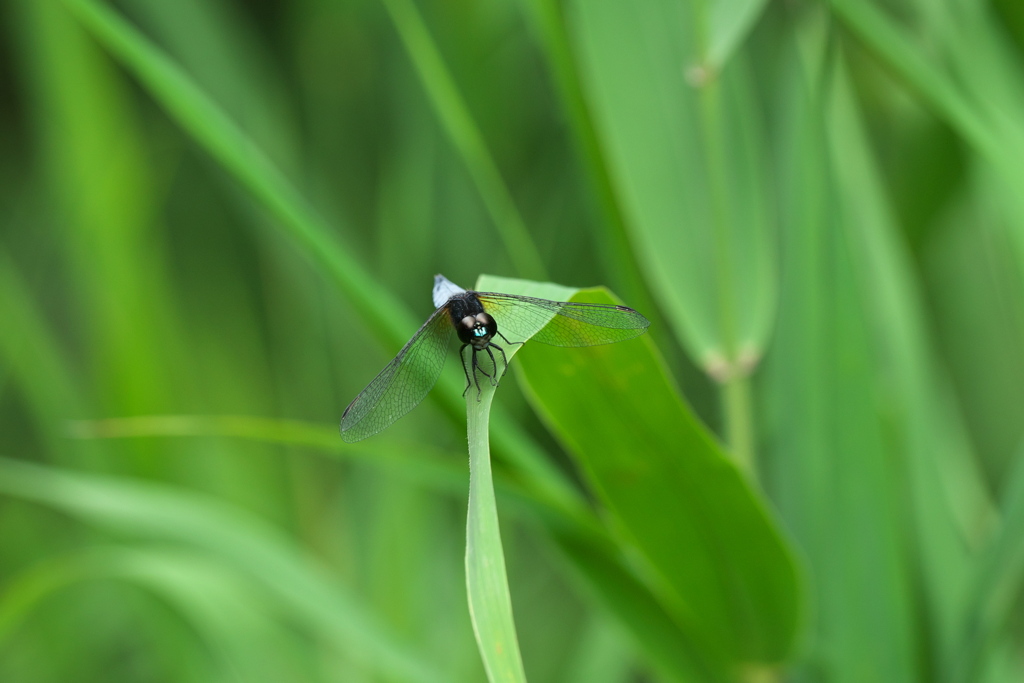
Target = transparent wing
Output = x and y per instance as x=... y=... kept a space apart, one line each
x=403 y=383
x=562 y=323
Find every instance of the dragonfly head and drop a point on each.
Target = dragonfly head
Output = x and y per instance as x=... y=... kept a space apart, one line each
x=477 y=329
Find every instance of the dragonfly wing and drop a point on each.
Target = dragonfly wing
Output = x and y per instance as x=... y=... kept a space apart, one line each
x=403 y=383
x=560 y=323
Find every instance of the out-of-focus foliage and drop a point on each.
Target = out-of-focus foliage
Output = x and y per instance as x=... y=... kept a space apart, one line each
x=220 y=218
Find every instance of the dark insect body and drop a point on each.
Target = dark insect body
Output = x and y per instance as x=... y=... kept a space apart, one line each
x=475 y=316
x=476 y=329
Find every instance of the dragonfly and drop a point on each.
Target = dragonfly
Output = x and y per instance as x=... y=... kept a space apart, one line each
x=482 y=321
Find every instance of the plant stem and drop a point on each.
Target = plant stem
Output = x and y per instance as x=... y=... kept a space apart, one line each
x=739 y=423
x=490 y=604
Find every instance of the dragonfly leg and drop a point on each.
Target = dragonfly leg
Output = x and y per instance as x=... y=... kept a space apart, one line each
x=503 y=357
x=476 y=380
x=494 y=379
x=469 y=382
x=506 y=340
x=481 y=368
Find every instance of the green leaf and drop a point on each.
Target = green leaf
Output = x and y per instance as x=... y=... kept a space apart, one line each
x=687 y=161
x=601 y=657
x=976 y=293
x=608 y=583
x=33 y=357
x=218 y=44
x=490 y=604
x=412 y=461
x=701 y=537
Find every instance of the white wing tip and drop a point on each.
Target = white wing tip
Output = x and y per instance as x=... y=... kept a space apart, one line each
x=444 y=289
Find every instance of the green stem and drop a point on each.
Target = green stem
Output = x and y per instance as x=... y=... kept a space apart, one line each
x=739 y=422
x=490 y=604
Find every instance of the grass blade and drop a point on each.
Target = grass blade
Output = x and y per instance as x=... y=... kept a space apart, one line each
x=490 y=604
x=464 y=133
x=828 y=464
x=986 y=121
x=244 y=160
x=997 y=584
x=160 y=512
x=223 y=606
x=617 y=255
x=948 y=500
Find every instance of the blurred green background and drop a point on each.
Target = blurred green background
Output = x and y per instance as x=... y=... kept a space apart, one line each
x=221 y=218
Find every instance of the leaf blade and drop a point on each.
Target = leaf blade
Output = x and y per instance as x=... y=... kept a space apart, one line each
x=757 y=615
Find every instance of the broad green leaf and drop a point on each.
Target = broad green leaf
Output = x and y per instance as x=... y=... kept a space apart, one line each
x=677 y=653
x=700 y=535
x=690 y=170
